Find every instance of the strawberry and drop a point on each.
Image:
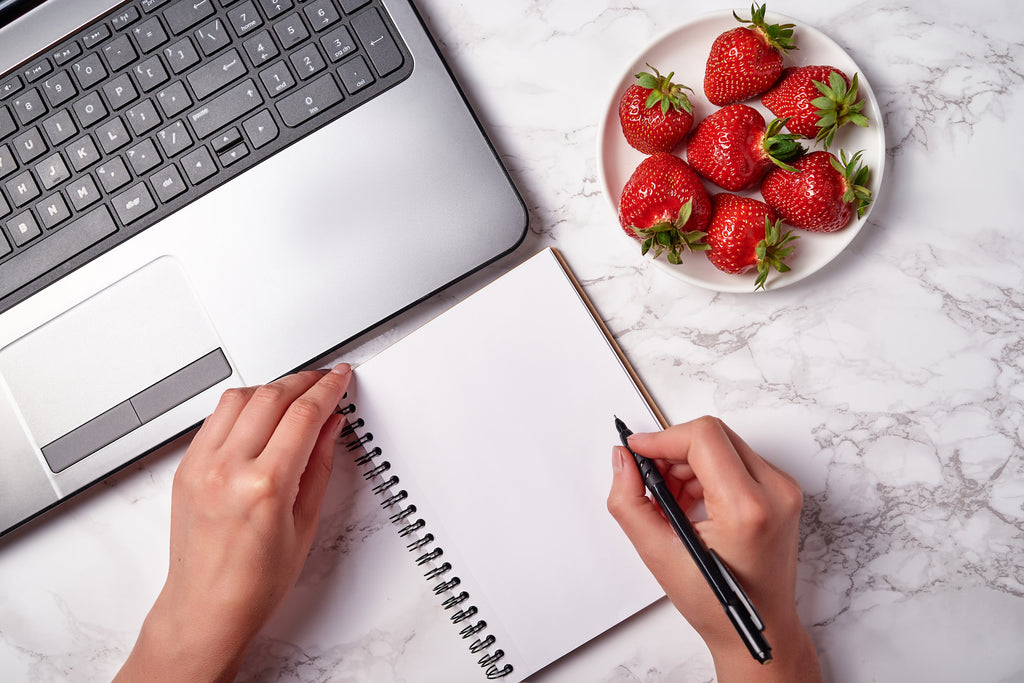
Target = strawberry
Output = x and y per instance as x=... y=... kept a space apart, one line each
x=821 y=193
x=745 y=233
x=665 y=205
x=746 y=61
x=817 y=100
x=733 y=148
x=655 y=113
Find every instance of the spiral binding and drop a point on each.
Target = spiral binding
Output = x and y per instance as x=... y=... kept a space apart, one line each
x=392 y=497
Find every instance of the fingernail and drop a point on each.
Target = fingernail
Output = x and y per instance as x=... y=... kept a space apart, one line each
x=342 y=369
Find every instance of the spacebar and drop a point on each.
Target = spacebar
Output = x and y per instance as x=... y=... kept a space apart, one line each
x=28 y=264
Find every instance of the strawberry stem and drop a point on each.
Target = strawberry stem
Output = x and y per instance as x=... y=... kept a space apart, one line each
x=664 y=92
x=837 y=106
x=779 y=36
x=772 y=251
x=671 y=236
x=856 y=176
x=782 y=148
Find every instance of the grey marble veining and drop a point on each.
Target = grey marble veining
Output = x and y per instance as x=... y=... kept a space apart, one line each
x=889 y=383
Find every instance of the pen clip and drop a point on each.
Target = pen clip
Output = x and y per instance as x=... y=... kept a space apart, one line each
x=737 y=589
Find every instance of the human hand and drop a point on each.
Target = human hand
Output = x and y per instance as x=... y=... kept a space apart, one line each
x=245 y=504
x=753 y=514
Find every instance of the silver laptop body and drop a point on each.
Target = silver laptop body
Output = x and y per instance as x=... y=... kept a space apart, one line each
x=327 y=238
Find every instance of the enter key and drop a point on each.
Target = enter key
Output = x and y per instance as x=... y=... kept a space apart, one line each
x=380 y=46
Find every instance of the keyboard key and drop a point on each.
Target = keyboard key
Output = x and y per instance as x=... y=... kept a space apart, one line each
x=150 y=35
x=66 y=53
x=212 y=37
x=22 y=189
x=7 y=124
x=121 y=92
x=112 y=135
x=23 y=228
x=119 y=53
x=150 y=73
x=9 y=87
x=59 y=127
x=380 y=46
x=260 y=48
x=244 y=19
x=113 y=174
x=82 y=153
x=4 y=210
x=185 y=14
x=52 y=171
x=174 y=139
x=89 y=109
x=142 y=117
x=338 y=43
x=174 y=99
x=225 y=108
x=59 y=89
x=321 y=14
x=261 y=129
x=211 y=77
x=150 y=5
x=291 y=31
x=38 y=70
x=198 y=165
x=181 y=55
x=57 y=248
x=133 y=203
x=29 y=145
x=5 y=247
x=355 y=74
x=350 y=6
x=229 y=138
x=143 y=157
x=310 y=100
x=277 y=79
x=53 y=211
x=83 y=192
x=89 y=71
x=125 y=18
x=274 y=8
x=7 y=163
x=28 y=106
x=233 y=155
x=95 y=36
x=307 y=62
x=167 y=183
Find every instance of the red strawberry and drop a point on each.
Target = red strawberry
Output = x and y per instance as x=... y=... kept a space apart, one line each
x=655 y=113
x=821 y=194
x=745 y=62
x=745 y=233
x=817 y=100
x=665 y=205
x=733 y=149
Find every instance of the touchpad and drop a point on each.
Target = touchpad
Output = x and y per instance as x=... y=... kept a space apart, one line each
x=112 y=363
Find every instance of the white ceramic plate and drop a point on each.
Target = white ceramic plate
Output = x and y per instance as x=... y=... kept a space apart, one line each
x=684 y=50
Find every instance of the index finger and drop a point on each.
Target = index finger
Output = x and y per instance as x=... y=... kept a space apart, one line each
x=720 y=459
x=292 y=442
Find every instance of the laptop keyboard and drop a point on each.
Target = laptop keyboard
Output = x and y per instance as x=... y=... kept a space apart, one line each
x=161 y=101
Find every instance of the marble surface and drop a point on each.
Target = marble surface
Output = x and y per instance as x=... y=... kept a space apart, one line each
x=889 y=383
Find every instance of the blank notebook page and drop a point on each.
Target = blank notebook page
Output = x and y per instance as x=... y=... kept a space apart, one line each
x=497 y=417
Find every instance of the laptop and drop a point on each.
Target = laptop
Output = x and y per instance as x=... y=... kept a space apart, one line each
x=202 y=194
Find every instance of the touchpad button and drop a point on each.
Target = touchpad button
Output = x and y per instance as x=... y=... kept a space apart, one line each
x=113 y=362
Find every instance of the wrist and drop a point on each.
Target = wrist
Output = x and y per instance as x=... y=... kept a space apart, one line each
x=794 y=658
x=173 y=647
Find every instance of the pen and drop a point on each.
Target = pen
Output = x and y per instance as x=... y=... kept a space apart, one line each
x=726 y=588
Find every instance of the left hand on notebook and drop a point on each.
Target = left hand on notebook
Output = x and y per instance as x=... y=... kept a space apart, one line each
x=244 y=509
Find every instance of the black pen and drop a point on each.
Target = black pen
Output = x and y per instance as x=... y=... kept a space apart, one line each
x=726 y=588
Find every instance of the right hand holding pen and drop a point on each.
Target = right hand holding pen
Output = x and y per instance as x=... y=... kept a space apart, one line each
x=753 y=514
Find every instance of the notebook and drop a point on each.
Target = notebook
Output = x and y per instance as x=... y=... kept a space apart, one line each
x=486 y=435
x=185 y=185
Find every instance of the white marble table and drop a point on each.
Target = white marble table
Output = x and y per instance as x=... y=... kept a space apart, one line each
x=889 y=383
